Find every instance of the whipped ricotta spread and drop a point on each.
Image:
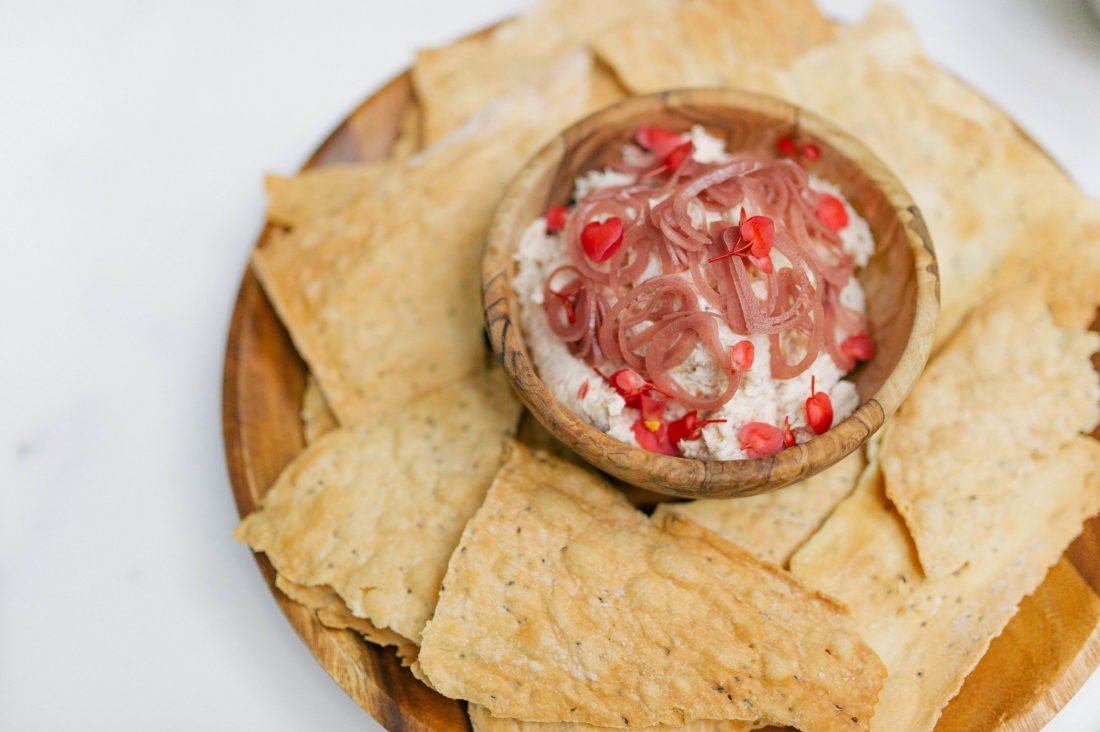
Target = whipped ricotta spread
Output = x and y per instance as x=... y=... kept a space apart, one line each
x=729 y=224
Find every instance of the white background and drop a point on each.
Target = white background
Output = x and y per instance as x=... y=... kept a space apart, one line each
x=133 y=138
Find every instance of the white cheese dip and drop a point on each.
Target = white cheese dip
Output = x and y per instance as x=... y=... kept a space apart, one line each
x=759 y=398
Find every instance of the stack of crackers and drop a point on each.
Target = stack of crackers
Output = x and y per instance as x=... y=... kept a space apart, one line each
x=529 y=586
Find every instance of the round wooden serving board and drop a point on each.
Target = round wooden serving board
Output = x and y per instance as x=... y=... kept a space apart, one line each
x=1030 y=671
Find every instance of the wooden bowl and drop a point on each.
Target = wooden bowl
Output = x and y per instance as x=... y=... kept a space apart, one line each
x=901 y=281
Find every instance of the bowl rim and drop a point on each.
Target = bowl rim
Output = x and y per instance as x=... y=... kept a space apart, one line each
x=686 y=476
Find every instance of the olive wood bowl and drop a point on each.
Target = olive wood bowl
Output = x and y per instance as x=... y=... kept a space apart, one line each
x=901 y=281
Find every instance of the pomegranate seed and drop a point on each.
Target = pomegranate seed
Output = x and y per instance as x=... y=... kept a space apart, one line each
x=678 y=155
x=759 y=232
x=600 y=241
x=860 y=347
x=756 y=235
x=630 y=385
x=788 y=435
x=743 y=354
x=673 y=160
x=764 y=263
x=689 y=427
x=568 y=301
x=811 y=151
x=658 y=139
x=819 y=410
x=680 y=429
x=786 y=146
x=556 y=217
x=831 y=211
x=759 y=439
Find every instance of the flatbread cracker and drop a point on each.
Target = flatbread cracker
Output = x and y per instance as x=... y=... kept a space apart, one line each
x=606 y=87
x=408 y=140
x=706 y=43
x=1061 y=253
x=1007 y=389
x=737 y=43
x=931 y=632
x=564 y=603
x=318 y=192
x=317 y=418
x=382 y=299
x=375 y=512
x=455 y=81
x=333 y=613
x=1040 y=644
x=482 y=721
x=773 y=525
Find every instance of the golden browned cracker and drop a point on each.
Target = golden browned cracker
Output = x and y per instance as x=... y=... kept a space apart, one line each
x=455 y=81
x=773 y=525
x=375 y=512
x=382 y=298
x=931 y=632
x=564 y=603
x=1009 y=388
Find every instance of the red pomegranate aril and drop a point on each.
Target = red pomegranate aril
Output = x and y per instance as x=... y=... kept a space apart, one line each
x=764 y=263
x=811 y=151
x=743 y=354
x=682 y=428
x=788 y=434
x=569 y=302
x=759 y=232
x=831 y=211
x=860 y=347
x=601 y=240
x=819 y=410
x=759 y=439
x=658 y=139
x=556 y=217
x=630 y=386
x=786 y=146
x=689 y=427
x=678 y=156
x=628 y=383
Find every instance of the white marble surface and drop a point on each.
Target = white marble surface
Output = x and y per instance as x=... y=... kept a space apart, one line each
x=133 y=137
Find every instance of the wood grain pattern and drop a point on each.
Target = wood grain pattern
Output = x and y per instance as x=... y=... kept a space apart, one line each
x=1046 y=652
x=901 y=282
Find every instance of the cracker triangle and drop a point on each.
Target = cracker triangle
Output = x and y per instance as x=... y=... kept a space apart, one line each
x=564 y=603
x=374 y=512
x=931 y=632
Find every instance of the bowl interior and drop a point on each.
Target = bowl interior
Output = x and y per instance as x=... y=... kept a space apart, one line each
x=900 y=281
